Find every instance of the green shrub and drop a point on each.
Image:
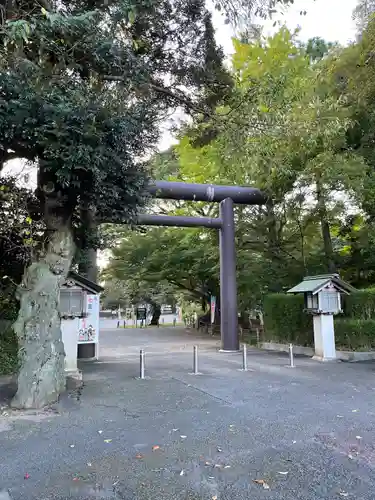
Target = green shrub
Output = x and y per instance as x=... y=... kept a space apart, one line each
x=360 y=304
x=355 y=334
x=286 y=321
x=8 y=352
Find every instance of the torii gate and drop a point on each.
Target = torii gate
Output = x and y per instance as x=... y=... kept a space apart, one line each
x=226 y=196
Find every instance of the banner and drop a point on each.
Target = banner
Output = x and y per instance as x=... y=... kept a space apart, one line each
x=213 y=306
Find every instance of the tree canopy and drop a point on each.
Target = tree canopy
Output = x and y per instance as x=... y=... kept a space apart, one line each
x=299 y=125
x=84 y=86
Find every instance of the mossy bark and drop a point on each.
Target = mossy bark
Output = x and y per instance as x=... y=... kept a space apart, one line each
x=41 y=376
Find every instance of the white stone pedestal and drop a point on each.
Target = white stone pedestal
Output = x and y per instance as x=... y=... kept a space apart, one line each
x=324 y=337
x=69 y=329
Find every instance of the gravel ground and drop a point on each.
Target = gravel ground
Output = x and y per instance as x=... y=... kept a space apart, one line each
x=306 y=433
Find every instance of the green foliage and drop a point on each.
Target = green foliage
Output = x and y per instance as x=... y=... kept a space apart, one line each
x=285 y=320
x=83 y=90
x=20 y=238
x=8 y=351
x=20 y=235
x=180 y=257
x=361 y=304
x=355 y=334
x=299 y=123
x=132 y=290
x=317 y=48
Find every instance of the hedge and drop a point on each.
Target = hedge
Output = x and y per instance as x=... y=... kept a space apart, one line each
x=285 y=320
x=360 y=304
x=8 y=339
x=8 y=352
x=354 y=334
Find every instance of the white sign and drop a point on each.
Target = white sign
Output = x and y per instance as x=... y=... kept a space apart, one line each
x=88 y=329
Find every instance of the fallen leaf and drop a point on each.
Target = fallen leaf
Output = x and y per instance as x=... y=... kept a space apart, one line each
x=139 y=456
x=107 y=440
x=100 y=432
x=182 y=472
x=262 y=482
x=183 y=437
x=283 y=473
x=26 y=476
x=155 y=447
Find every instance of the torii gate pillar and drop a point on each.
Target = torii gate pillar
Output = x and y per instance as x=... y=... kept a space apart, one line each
x=228 y=285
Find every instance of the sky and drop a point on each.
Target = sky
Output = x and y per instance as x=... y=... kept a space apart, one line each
x=328 y=19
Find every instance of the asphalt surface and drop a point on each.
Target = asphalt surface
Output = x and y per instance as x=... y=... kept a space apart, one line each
x=306 y=433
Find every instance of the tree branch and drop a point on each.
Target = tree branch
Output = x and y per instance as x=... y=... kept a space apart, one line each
x=195 y=292
x=162 y=90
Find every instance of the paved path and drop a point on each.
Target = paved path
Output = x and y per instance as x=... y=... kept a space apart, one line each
x=111 y=323
x=308 y=432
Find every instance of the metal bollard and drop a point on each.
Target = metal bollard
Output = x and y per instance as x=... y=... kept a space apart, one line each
x=195 y=360
x=244 y=358
x=142 y=364
x=291 y=356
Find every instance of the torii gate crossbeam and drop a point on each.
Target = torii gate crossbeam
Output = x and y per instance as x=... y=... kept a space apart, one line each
x=226 y=196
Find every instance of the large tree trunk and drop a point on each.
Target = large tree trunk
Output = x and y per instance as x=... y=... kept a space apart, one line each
x=88 y=266
x=156 y=313
x=41 y=351
x=88 y=259
x=324 y=225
